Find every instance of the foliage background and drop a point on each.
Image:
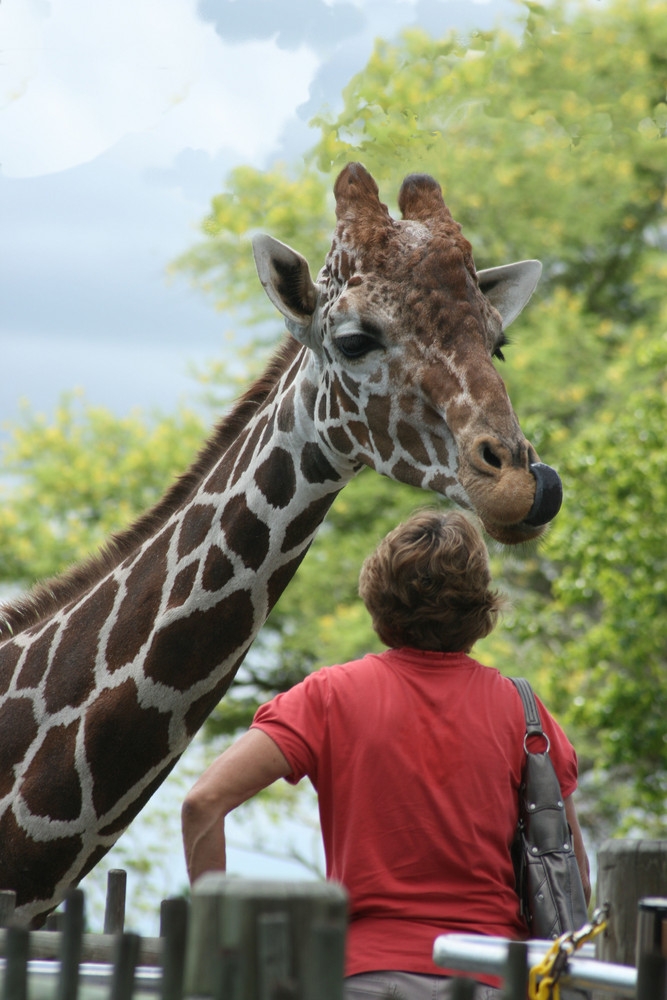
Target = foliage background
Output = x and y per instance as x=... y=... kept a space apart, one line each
x=549 y=142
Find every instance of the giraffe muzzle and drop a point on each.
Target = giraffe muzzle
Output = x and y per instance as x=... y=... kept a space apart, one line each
x=548 y=495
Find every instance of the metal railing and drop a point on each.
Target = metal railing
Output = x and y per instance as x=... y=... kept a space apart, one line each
x=489 y=956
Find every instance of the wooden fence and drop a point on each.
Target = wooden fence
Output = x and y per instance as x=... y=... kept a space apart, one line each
x=260 y=940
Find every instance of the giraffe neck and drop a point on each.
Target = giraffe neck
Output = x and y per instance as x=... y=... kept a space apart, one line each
x=105 y=694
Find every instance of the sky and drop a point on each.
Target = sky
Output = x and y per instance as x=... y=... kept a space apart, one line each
x=118 y=124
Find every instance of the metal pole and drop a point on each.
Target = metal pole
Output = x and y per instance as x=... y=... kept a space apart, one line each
x=476 y=953
x=516 y=971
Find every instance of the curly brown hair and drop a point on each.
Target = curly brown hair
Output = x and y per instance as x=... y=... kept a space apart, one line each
x=427 y=584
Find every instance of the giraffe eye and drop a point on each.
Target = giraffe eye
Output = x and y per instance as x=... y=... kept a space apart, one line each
x=356 y=345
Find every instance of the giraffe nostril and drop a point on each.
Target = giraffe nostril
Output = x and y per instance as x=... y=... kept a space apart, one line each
x=490 y=458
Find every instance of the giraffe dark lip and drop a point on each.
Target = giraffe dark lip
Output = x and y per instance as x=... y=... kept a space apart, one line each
x=548 y=495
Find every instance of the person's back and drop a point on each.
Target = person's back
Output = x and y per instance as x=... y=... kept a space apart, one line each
x=420 y=753
x=416 y=754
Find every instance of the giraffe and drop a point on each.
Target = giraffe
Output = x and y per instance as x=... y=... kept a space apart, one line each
x=107 y=672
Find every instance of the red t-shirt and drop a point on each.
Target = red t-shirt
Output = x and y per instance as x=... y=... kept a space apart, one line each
x=416 y=758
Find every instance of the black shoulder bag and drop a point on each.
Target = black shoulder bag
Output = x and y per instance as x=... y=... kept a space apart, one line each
x=548 y=881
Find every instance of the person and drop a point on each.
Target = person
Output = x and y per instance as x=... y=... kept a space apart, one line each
x=416 y=755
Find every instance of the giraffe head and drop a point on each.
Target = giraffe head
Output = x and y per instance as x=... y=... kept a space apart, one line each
x=403 y=332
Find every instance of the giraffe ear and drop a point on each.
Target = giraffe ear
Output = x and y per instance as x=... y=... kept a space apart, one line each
x=286 y=279
x=509 y=287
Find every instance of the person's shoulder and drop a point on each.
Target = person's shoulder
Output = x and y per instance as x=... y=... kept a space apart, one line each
x=500 y=688
x=490 y=675
x=369 y=663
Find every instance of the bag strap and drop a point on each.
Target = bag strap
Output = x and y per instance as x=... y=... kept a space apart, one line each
x=531 y=711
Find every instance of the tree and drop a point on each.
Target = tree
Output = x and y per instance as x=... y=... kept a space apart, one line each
x=81 y=477
x=536 y=158
x=611 y=591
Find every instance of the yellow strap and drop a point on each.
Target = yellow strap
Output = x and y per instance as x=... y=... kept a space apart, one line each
x=549 y=969
x=548 y=988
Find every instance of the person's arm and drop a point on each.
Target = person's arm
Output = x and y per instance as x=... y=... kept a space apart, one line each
x=579 y=849
x=248 y=766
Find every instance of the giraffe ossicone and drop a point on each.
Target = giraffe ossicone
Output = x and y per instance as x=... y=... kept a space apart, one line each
x=107 y=672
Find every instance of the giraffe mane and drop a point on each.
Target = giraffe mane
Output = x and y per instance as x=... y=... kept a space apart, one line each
x=50 y=596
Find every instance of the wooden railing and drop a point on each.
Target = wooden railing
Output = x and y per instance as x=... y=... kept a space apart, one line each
x=241 y=939
x=238 y=939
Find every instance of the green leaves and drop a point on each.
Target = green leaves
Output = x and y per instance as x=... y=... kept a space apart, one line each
x=549 y=142
x=290 y=206
x=80 y=477
x=609 y=546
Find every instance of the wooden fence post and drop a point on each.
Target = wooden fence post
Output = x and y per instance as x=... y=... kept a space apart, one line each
x=7 y=906
x=247 y=935
x=124 y=968
x=114 y=913
x=628 y=870
x=71 y=946
x=652 y=948
x=328 y=960
x=16 y=969
x=273 y=955
x=173 y=931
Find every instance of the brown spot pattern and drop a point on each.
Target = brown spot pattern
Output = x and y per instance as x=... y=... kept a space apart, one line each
x=195 y=527
x=315 y=467
x=411 y=441
x=186 y=651
x=441 y=450
x=18 y=728
x=10 y=655
x=246 y=534
x=202 y=707
x=267 y=436
x=218 y=570
x=219 y=479
x=245 y=457
x=334 y=410
x=33 y=869
x=305 y=523
x=60 y=796
x=351 y=384
x=339 y=440
x=72 y=675
x=347 y=404
x=95 y=856
x=123 y=741
x=183 y=585
x=309 y=398
x=441 y=483
x=285 y=421
x=406 y=473
x=281 y=577
x=135 y=807
x=377 y=417
x=141 y=603
x=276 y=478
x=360 y=432
x=37 y=659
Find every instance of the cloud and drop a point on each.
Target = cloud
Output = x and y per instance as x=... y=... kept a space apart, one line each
x=78 y=76
x=438 y=17
x=84 y=253
x=301 y=22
